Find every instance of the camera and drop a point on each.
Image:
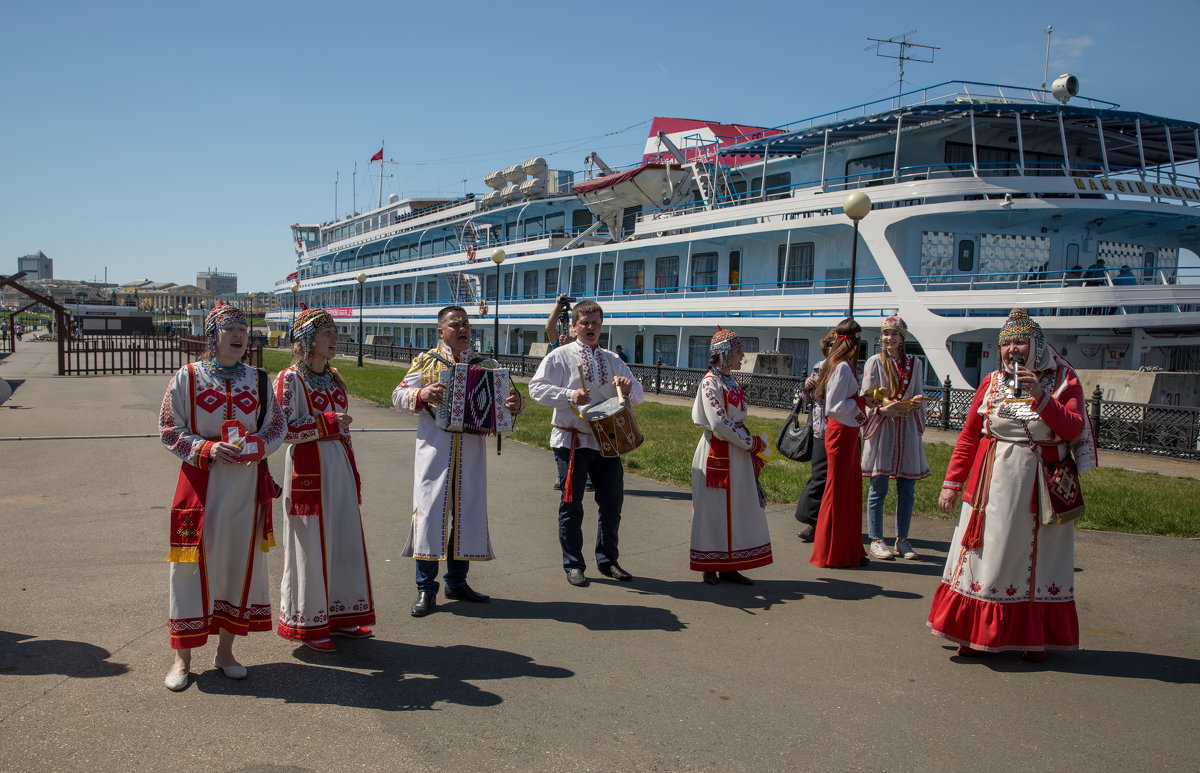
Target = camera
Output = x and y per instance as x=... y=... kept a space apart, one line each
x=568 y=300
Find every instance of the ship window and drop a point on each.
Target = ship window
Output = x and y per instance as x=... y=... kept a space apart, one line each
x=551 y=286
x=420 y=292
x=966 y=255
x=778 y=186
x=581 y=220
x=578 y=280
x=531 y=226
x=698 y=351
x=704 y=270
x=666 y=274
x=735 y=269
x=664 y=349
x=555 y=224
x=489 y=286
x=749 y=344
x=798 y=348
x=795 y=265
x=633 y=279
x=867 y=168
x=530 y=288
x=433 y=291
x=629 y=218
x=605 y=283
x=407 y=292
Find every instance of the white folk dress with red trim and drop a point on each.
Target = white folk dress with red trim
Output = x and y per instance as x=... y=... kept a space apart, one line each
x=892 y=446
x=1017 y=590
x=227 y=588
x=326 y=581
x=729 y=525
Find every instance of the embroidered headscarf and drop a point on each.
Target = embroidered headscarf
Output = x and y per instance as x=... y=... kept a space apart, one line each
x=307 y=325
x=895 y=323
x=722 y=345
x=1021 y=325
x=221 y=315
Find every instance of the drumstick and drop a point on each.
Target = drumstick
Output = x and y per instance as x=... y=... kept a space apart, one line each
x=620 y=393
x=582 y=380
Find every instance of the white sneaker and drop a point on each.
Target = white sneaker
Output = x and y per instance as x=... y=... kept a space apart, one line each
x=879 y=549
x=905 y=549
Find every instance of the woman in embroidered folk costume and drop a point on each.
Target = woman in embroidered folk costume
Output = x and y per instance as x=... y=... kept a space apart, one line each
x=729 y=525
x=838 y=538
x=220 y=418
x=892 y=447
x=326 y=586
x=1009 y=578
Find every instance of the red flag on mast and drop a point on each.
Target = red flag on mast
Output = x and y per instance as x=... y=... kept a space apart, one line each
x=377 y=157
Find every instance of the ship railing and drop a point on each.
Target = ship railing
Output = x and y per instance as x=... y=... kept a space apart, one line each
x=1117 y=277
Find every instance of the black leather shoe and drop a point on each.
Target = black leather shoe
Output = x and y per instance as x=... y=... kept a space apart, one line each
x=425 y=603
x=614 y=571
x=711 y=578
x=465 y=592
x=807 y=534
x=737 y=578
x=577 y=578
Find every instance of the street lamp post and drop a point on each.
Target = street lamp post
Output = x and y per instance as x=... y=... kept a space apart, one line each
x=857 y=206
x=498 y=256
x=361 y=278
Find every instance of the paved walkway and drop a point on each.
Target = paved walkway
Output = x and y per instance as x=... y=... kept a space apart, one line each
x=810 y=669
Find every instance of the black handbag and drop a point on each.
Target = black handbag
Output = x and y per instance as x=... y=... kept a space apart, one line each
x=795 y=440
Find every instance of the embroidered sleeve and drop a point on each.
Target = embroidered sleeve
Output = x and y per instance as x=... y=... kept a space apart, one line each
x=174 y=422
x=552 y=383
x=407 y=394
x=968 y=440
x=274 y=426
x=289 y=393
x=1064 y=415
x=718 y=420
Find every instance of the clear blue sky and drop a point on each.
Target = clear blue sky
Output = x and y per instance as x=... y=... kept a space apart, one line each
x=161 y=138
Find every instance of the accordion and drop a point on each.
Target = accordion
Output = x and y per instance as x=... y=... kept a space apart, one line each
x=474 y=400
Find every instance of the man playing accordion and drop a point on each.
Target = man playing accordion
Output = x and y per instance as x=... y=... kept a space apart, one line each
x=449 y=516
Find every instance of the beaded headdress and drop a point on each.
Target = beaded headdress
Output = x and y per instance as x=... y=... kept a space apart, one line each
x=221 y=315
x=723 y=343
x=307 y=325
x=895 y=323
x=1021 y=325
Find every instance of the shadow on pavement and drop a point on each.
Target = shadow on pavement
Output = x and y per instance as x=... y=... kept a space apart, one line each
x=594 y=617
x=1116 y=663
x=403 y=677
x=24 y=655
x=763 y=594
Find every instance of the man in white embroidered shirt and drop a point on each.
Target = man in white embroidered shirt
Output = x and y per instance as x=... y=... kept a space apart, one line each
x=557 y=384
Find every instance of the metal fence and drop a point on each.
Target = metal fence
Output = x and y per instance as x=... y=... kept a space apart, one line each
x=135 y=354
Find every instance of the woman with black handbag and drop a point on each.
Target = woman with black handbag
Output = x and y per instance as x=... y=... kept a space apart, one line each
x=809 y=505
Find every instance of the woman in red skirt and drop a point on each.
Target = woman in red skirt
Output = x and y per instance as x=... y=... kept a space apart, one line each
x=838 y=538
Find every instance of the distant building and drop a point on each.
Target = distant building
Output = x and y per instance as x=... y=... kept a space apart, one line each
x=216 y=282
x=36 y=266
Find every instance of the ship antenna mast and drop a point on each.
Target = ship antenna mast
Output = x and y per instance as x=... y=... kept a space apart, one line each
x=1046 y=66
x=903 y=43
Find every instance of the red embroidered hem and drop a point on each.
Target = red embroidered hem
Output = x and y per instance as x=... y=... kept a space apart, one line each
x=192 y=633
x=730 y=564
x=1001 y=627
x=315 y=633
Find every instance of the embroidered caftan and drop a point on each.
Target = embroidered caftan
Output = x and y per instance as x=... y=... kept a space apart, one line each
x=225 y=585
x=729 y=524
x=892 y=445
x=1016 y=589
x=837 y=541
x=449 y=473
x=326 y=581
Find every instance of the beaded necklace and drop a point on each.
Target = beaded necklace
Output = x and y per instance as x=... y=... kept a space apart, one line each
x=322 y=380
x=221 y=370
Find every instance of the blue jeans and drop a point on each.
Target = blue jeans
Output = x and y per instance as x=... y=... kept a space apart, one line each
x=427 y=572
x=905 y=492
x=608 y=480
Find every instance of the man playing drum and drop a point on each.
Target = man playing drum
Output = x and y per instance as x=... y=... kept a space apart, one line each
x=570 y=378
x=449 y=517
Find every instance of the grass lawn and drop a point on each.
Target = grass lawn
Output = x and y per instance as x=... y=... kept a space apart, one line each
x=1117 y=500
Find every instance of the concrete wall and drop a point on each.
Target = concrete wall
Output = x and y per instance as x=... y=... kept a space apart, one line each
x=1133 y=386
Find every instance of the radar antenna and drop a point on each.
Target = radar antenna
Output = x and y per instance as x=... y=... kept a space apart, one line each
x=903 y=43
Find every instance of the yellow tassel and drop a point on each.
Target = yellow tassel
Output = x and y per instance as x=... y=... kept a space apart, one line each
x=183 y=555
x=269 y=542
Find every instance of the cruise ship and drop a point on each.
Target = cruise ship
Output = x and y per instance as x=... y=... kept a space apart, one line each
x=978 y=197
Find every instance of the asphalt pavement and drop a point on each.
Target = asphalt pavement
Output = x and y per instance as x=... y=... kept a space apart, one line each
x=809 y=669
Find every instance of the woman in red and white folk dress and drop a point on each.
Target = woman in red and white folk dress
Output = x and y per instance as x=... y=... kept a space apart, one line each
x=326 y=586
x=838 y=538
x=1009 y=578
x=729 y=524
x=220 y=418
